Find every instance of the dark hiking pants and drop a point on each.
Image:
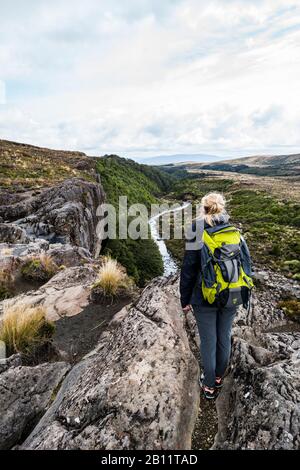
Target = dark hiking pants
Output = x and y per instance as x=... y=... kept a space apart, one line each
x=215 y=340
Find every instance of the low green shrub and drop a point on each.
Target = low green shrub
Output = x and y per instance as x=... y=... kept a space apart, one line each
x=291 y=307
x=39 y=269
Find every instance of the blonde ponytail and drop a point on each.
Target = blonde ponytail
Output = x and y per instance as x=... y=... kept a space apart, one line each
x=213 y=204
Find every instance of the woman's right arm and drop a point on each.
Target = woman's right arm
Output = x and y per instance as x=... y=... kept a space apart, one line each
x=191 y=264
x=188 y=275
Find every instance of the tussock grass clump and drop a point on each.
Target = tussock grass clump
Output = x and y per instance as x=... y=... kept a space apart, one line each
x=47 y=263
x=112 y=277
x=40 y=268
x=24 y=329
x=6 y=251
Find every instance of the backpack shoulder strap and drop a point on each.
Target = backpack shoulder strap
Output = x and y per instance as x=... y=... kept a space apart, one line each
x=208 y=241
x=209 y=236
x=217 y=228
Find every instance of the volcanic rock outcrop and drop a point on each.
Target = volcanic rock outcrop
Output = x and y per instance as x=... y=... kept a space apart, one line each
x=64 y=213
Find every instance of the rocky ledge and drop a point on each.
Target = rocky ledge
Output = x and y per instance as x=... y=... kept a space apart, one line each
x=137 y=390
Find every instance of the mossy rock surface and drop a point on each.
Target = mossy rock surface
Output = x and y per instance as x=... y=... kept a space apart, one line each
x=291 y=308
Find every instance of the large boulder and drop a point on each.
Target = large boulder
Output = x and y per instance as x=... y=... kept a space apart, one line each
x=66 y=294
x=69 y=255
x=25 y=394
x=137 y=390
x=259 y=407
x=63 y=213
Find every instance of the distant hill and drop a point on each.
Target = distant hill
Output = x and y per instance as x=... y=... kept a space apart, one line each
x=178 y=158
x=272 y=165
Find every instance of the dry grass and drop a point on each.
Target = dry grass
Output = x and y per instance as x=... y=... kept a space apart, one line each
x=111 y=277
x=47 y=263
x=6 y=251
x=23 y=329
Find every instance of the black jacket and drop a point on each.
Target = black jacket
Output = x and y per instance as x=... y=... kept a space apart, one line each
x=190 y=277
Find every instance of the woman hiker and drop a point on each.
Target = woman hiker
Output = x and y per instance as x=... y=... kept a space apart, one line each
x=229 y=289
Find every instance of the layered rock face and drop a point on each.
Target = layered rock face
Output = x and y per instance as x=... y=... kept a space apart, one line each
x=65 y=213
x=10 y=233
x=137 y=390
x=259 y=407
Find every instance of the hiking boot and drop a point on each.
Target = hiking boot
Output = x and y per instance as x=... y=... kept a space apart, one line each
x=209 y=393
x=219 y=382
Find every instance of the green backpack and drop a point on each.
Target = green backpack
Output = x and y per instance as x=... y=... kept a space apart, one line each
x=224 y=281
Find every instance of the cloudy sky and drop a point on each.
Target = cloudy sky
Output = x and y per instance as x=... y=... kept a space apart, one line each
x=151 y=77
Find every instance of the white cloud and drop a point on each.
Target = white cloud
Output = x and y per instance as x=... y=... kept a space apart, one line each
x=152 y=77
x=2 y=92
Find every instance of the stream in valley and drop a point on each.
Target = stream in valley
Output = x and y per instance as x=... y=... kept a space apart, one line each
x=170 y=265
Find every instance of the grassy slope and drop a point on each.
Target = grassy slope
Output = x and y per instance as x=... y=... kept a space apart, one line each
x=140 y=183
x=27 y=167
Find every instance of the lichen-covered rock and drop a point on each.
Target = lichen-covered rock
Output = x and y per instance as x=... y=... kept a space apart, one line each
x=12 y=361
x=137 y=390
x=10 y=233
x=69 y=255
x=13 y=257
x=22 y=250
x=25 y=394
